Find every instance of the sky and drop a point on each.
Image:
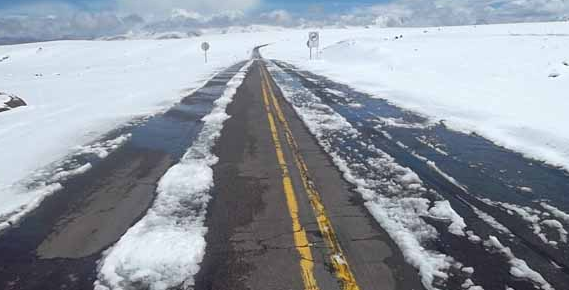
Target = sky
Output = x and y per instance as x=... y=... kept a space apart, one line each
x=84 y=19
x=291 y=5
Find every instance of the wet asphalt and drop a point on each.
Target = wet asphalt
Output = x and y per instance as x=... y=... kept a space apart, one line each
x=250 y=242
x=487 y=170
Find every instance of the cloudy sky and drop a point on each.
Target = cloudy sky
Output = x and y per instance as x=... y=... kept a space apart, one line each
x=56 y=19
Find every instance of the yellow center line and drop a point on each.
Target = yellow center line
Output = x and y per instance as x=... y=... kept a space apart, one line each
x=300 y=238
x=337 y=257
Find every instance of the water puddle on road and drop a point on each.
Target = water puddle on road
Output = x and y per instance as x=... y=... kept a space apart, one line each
x=506 y=224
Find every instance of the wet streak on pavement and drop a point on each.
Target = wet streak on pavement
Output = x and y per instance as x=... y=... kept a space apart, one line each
x=487 y=170
x=250 y=240
x=57 y=245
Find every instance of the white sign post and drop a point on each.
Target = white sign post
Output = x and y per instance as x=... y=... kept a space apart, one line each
x=205 y=48
x=313 y=42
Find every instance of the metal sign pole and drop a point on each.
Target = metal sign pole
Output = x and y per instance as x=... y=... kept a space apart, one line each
x=313 y=42
x=205 y=48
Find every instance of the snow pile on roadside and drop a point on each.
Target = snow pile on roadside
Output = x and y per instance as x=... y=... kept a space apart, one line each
x=442 y=209
x=393 y=194
x=148 y=255
x=496 y=80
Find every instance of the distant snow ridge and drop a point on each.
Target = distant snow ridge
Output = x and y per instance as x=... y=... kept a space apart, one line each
x=393 y=194
x=164 y=248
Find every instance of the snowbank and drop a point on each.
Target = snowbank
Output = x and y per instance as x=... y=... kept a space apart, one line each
x=506 y=82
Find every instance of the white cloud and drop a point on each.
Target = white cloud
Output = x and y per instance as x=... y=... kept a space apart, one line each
x=279 y=17
x=459 y=12
x=162 y=8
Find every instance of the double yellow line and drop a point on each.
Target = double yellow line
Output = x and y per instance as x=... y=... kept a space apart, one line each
x=338 y=260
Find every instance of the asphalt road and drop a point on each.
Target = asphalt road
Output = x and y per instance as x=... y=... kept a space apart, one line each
x=253 y=242
x=282 y=216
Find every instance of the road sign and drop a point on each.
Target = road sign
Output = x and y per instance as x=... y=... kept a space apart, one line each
x=205 y=48
x=313 y=41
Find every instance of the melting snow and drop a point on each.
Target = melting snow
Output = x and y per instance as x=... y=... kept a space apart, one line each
x=148 y=255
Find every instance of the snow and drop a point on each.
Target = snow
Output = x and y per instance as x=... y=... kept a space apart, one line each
x=148 y=255
x=469 y=285
x=490 y=79
x=63 y=175
x=103 y=149
x=493 y=80
x=400 y=123
x=77 y=91
x=490 y=220
x=4 y=99
x=28 y=204
x=442 y=209
x=450 y=179
x=525 y=189
x=518 y=267
x=535 y=218
x=559 y=227
x=47 y=181
x=423 y=140
x=556 y=212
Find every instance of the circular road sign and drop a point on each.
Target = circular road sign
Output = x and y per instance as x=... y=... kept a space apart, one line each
x=313 y=36
x=205 y=46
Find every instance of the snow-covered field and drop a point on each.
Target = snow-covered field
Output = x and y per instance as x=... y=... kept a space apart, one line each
x=3 y=100
x=508 y=82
